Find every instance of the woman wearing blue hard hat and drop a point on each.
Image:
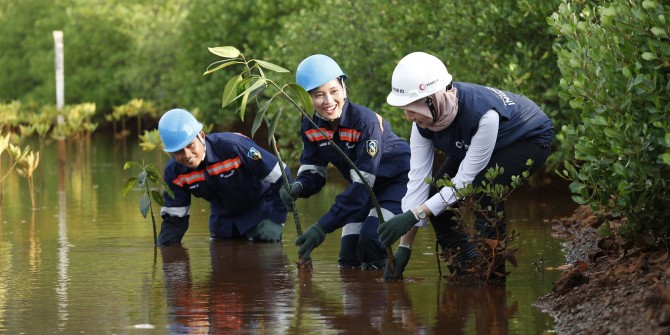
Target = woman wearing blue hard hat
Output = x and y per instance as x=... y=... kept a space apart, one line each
x=367 y=139
x=478 y=127
x=240 y=180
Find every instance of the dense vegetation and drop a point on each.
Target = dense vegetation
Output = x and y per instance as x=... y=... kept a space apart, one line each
x=615 y=65
x=599 y=69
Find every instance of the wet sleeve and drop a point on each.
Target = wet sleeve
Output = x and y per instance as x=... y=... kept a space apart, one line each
x=478 y=156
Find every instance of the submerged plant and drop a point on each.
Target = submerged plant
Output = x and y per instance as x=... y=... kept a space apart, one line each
x=494 y=249
x=148 y=175
x=27 y=164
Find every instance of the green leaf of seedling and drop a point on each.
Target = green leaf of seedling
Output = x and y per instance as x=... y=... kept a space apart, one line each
x=158 y=198
x=145 y=202
x=128 y=165
x=230 y=91
x=303 y=98
x=245 y=95
x=224 y=64
x=225 y=51
x=130 y=184
x=273 y=123
x=142 y=178
x=152 y=173
x=260 y=117
x=257 y=84
x=271 y=67
x=579 y=200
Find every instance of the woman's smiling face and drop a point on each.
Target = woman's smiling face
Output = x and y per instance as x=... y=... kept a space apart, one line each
x=329 y=99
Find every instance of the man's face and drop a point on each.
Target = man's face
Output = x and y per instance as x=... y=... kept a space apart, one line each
x=192 y=154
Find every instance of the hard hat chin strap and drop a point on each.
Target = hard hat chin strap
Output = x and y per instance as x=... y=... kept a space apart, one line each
x=431 y=107
x=204 y=146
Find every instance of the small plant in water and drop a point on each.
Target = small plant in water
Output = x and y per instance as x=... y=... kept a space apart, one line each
x=148 y=175
x=494 y=250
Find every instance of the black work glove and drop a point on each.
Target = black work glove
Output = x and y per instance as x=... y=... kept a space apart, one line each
x=267 y=230
x=391 y=230
x=401 y=258
x=288 y=195
x=311 y=239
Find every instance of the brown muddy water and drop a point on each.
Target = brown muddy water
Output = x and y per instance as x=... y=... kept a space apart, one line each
x=83 y=262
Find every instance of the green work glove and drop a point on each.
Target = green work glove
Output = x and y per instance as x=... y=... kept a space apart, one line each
x=288 y=195
x=401 y=258
x=310 y=240
x=269 y=231
x=391 y=230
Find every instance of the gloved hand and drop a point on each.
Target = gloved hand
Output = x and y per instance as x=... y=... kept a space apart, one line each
x=288 y=195
x=401 y=258
x=267 y=230
x=311 y=239
x=391 y=230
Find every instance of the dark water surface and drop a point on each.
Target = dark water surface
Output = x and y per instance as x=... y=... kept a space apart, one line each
x=83 y=262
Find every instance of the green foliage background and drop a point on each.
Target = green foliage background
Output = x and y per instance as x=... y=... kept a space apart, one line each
x=157 y=51
x=615 y=62
x=598 y=68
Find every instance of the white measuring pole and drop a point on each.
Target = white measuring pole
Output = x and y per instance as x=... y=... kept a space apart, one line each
x=60 y=69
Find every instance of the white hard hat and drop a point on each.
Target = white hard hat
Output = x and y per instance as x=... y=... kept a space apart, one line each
x=416 y=76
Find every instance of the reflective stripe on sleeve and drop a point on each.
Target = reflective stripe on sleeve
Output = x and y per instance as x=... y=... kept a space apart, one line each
x=385 y=212
x=369 y=177
x=176 y=211
x=318 y=169
x=353 y=228
x=274 y=175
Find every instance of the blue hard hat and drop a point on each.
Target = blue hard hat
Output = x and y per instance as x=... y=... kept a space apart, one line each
x=317 y=70
x=177 y=128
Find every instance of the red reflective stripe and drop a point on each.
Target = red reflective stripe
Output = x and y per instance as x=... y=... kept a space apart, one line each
x=189 y=178
x=314 y=135
x=350 y=135
x=196 y=176
x=224 y=166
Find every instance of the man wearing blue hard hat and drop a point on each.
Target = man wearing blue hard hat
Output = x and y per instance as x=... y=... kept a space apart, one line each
x=239 y=179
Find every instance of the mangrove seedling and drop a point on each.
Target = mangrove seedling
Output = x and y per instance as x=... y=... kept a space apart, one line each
x=494 y=247
x=148 y=175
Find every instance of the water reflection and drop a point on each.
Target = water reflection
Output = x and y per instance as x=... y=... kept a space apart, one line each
x=84 y=264
x=63 y=259
x=486 y=307
x=247 y=291
x=366 y=305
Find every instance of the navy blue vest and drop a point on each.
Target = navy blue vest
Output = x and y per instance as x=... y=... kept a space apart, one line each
x=520 y=119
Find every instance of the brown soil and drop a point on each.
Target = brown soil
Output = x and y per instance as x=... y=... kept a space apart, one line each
x=606 y=288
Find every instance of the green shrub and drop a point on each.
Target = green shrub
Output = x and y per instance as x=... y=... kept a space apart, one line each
x=615 y=65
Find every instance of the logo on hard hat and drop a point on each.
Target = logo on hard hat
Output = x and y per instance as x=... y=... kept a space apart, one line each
x=422 y=87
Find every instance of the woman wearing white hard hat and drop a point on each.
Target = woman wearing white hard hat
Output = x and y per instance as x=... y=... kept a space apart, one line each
x=477 y=127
